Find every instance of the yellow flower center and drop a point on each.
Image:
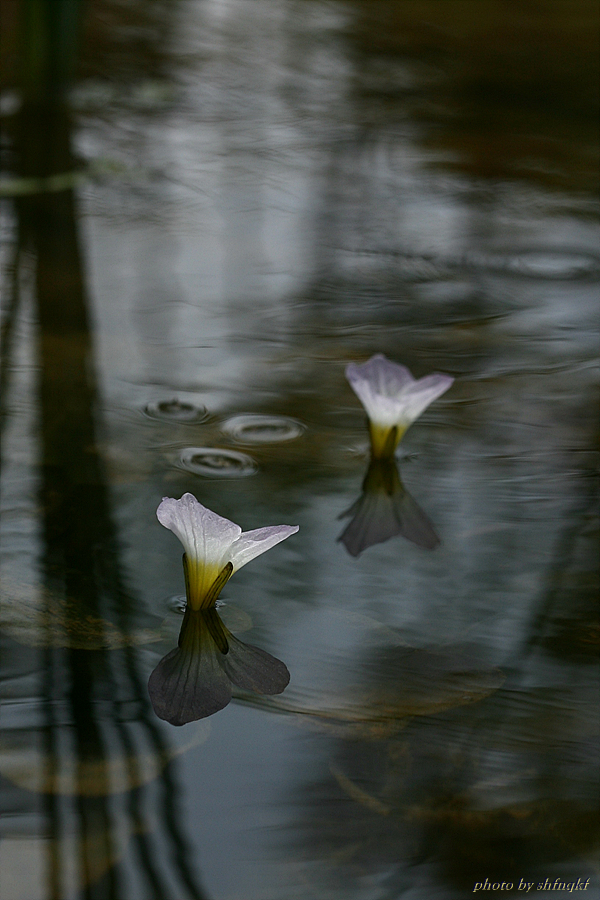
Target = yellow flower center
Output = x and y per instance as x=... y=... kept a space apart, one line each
x=385 y=439
x=204 y=583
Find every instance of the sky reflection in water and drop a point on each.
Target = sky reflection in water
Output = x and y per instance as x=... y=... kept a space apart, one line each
x=253 y=196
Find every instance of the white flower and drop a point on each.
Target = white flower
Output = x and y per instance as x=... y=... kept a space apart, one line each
x=195 y=679
x=215 y=548
x=392 y=398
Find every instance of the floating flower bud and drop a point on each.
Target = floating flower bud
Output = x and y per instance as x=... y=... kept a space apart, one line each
x=383 y=510
x=195 y=680
x=392 y=398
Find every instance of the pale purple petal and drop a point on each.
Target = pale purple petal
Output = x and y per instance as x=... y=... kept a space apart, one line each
x=386 y=378
x=378 y=384
x=380 y=409
x=424 y=392
x=252 y=543
x=206 y=536
x=390 y=394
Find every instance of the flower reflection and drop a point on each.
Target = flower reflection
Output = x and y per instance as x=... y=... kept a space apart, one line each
x=195 y=680
x=392 y=398
x=385 y=509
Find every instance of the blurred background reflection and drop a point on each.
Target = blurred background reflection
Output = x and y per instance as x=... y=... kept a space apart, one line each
x=210 y=207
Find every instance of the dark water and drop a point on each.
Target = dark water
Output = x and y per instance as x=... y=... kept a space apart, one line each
x=232 y=201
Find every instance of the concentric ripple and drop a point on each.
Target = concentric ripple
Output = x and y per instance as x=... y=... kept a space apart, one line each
x=176 y=411
x=214 y=462
x=257 y=429
x=176 y=604
x=237 y=620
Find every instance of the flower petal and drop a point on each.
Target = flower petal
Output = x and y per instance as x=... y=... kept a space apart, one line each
x=378 y=384
x=253 y=669
x=424 y=392
x=205 y=535
x=390 y=394
x=188 y=683
x=252 y=543
x=384 y=377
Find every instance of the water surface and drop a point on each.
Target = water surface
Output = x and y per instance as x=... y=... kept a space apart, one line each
x=231 y=202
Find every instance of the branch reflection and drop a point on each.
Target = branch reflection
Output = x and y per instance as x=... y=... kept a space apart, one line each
x=79 y=731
